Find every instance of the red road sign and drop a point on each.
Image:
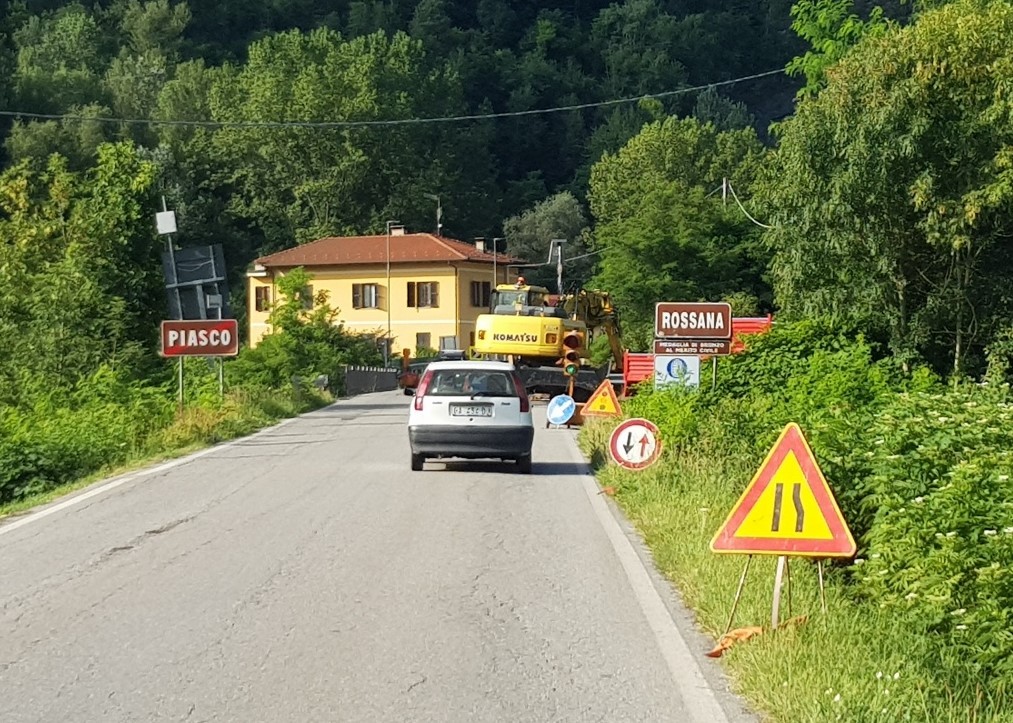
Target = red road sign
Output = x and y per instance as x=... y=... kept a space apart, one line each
x=200 y=338
x=684 y=320
x=787 y=509
x=635 y=444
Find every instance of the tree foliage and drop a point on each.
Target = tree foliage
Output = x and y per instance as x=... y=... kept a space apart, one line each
x=891 y=190
x=662 y=229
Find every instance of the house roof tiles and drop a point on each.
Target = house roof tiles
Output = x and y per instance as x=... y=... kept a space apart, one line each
x=404 y=248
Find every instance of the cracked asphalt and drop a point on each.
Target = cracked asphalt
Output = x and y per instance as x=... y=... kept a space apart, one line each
x=305 y=574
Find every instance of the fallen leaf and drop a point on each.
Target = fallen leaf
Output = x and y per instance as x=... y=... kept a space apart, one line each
x=734 y=636
x=610 y=491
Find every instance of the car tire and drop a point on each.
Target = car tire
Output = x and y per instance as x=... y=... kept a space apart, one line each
x=524 y=464
x=418 y=461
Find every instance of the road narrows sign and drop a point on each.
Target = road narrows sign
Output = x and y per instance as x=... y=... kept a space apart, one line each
x=603 y=403
x=635 y=444
x=787 y=509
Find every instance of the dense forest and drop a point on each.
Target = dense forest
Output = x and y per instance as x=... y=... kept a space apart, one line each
x=816 y=158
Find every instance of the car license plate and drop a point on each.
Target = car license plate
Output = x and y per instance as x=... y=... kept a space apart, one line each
x=470 y=410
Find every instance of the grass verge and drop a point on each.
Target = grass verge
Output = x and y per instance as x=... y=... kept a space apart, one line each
x=857 y=663
x=240 y=414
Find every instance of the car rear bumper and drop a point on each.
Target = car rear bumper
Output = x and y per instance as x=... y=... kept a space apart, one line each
x=471 y=442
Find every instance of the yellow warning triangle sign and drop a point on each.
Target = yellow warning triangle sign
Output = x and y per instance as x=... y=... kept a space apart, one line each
x=603 y=403
x=787 y=509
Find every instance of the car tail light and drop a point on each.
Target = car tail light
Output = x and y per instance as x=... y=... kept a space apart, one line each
x=522 y=393
x=420 y=390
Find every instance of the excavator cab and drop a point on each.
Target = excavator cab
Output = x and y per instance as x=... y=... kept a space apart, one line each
x=523 y=300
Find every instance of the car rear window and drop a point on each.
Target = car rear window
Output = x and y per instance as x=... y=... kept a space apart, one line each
x=457 y=382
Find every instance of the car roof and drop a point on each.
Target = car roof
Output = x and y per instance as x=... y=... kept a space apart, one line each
x=465 y=365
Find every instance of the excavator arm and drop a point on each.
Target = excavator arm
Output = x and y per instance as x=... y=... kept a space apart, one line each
x=596 y=310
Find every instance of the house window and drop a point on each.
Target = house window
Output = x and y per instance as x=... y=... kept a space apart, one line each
x=306 y=294
x=366 y=296
x=262 y=298
x=423 y=294
x=423 y=340
x=481 y=292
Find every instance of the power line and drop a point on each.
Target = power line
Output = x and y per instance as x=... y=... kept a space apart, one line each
x=743 y=208
x=370 y=123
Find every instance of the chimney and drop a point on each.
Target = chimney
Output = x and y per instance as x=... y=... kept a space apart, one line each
x=480 y=243
x=397 y=230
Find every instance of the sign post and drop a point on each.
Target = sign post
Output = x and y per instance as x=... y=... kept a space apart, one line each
x=686 y=331
x=215 y=338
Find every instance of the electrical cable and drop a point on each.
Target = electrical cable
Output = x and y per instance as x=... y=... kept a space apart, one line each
x=372 y=123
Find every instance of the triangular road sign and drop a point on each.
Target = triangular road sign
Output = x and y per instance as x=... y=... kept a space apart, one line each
x=603 y=403
x=787 y=509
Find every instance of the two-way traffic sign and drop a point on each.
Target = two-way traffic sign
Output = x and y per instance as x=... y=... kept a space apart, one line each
x=635 y=444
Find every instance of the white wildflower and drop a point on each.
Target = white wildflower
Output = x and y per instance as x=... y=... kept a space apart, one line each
x=879 y=675
x=919 y=500
x=837 y=698
x=896 y=676
x=1008 y=530
x=1003 y=477
x=959 y=611
x=911 y=596
x=961 y=627
x=990 y=533
x=951 y=534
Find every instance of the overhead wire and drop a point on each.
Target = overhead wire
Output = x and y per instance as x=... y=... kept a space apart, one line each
x=375 y=123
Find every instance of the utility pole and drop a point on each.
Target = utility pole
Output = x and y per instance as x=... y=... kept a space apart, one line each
x=165 y=223
x=439 y=211
x=387 y=341
x=558 y=243
x=495 y=257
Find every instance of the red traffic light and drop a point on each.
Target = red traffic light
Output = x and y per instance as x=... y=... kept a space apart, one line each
x=573 y=340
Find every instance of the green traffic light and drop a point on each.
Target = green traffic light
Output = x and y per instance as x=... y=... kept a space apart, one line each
x=571 y=370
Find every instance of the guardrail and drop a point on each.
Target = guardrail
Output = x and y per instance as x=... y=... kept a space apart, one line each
x=363 y=380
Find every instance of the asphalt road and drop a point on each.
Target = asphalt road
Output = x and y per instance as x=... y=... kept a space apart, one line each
x=305 y=574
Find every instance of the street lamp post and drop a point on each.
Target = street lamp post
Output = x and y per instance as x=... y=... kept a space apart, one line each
x=495 y=255
x=387 y=341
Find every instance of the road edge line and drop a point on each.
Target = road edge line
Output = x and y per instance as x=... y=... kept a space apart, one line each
x=95 y=491
x=695 y=690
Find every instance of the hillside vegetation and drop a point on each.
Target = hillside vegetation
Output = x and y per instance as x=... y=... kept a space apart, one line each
x=855 y=180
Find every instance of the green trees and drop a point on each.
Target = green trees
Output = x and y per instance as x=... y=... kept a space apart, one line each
x=662 y=229
x=303 y=183
x=79 y=278
x=891 y=190
x=304 y=343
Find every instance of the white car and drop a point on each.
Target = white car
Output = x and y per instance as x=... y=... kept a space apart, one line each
x=471 y=410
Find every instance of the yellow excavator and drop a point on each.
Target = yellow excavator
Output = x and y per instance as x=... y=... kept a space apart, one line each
x=547 y=337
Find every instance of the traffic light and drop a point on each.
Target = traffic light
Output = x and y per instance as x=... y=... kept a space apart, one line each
x=572 y=342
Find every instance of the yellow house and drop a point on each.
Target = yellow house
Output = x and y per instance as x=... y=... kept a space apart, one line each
x=418 y=290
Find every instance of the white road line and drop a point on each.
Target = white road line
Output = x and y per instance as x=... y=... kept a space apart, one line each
x=113 y=484
x=701 y=702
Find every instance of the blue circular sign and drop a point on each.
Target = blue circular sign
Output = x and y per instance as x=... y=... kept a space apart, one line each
x=560 y=409
x=677 y=368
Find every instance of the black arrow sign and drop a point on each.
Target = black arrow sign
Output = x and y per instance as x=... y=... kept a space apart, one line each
x=629 y=443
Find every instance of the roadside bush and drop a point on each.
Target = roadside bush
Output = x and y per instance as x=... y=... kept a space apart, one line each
x=922 y=472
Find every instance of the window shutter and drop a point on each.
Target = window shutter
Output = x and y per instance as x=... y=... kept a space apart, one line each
x=412 y=298
x=357 y=296
x=434 y=300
